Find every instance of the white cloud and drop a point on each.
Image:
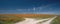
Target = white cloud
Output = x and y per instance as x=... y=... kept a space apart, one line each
x=45 y=12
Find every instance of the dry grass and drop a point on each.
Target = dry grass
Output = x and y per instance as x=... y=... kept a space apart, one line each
x=18 y=17
x=27 y=15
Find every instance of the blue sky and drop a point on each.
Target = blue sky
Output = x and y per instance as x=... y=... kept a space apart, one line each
x=29 y=6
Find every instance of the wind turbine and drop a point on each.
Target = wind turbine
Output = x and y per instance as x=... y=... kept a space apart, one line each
x=34 y=8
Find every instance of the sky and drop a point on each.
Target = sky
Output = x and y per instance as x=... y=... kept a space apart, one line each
x=30 y=6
